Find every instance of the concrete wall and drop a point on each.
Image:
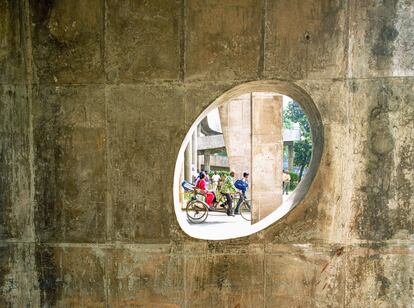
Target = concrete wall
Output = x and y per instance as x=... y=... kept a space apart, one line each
x=96 y=97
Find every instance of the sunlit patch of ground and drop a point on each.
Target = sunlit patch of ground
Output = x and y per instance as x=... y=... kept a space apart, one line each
x=218 y=224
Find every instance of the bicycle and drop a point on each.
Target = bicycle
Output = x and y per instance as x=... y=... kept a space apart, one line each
x=245 y=208
x=197 y=209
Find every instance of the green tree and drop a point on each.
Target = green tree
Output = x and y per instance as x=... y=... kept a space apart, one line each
x=303 y=148
x=287 y=122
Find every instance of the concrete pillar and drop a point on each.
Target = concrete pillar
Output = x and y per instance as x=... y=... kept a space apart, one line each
x=235 y=118
x=198 y=158
x=252 y=130
x=290 y=156
x=267 y=154
x=207 y=161
x=188 y=163
x=194 y=150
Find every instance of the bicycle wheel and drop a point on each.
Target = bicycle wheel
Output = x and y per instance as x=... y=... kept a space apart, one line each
x=245 y=210
x=197 y=211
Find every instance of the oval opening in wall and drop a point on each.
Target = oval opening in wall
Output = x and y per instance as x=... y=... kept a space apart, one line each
x=247 y=160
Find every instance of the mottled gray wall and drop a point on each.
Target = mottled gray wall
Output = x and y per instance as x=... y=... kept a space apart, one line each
x=95 y=99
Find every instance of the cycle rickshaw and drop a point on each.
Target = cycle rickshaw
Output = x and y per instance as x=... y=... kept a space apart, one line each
x=197 y=209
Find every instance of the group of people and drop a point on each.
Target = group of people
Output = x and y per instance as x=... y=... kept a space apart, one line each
x=226 y=186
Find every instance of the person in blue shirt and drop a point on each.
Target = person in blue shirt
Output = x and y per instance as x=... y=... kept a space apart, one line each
x=242 y=185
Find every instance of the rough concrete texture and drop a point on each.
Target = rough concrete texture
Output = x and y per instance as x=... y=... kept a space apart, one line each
x=96 y=98
x=236 y=124
x=12 y=51
x=252 y=130
x=267 y=154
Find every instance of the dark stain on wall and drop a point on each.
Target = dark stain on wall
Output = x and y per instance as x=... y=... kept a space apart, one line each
x=385 y=205
x=12 y=62
x=67 y=41
x=384 y=285
x=5 y=188
x=5 y=254
x=405 y=189
x=49 y=179
x=48 y=275
x=381 y=26
x=42 y=10
x=220 y=272
x=374 y=224
x=14 y=160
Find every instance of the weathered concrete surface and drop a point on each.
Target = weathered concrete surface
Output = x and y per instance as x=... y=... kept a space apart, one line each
x=222 y=39
x=384 y=275
x=63 y=283
x=87 y=160
x=15 y=170
x=236 y=123
x=19 y=276
x=146 y=275
x=252 y=129
x=385 y=182
x=267 y=154
x=137 y=184
x=305 y=39
x=12 y=44
x=315 y=273
x=216 y=278
x=70 y=161
x=68 y=41
x=382 y=44
x=143 y=40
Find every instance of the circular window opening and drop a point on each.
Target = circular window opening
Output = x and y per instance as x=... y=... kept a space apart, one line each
x=247 y=160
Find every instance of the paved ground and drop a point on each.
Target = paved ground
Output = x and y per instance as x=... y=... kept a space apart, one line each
x=219 y=223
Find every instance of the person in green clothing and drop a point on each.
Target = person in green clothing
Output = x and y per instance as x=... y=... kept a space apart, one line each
x=228 y=188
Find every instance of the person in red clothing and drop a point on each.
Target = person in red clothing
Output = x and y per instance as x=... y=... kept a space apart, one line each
x=201 y=184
